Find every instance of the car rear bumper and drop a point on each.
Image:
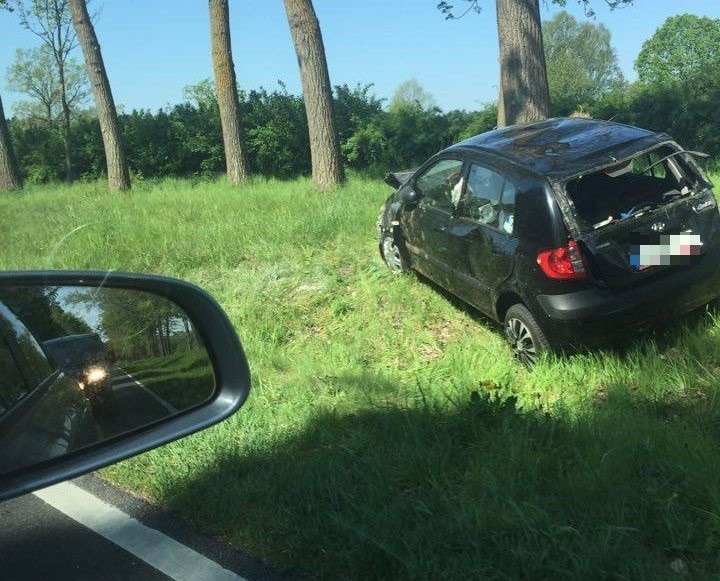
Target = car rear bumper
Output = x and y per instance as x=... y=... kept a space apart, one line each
x=596 y=316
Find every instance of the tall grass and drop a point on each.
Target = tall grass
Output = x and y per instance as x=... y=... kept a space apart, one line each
x=389 y=433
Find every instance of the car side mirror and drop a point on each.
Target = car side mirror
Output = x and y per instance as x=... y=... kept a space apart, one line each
x=96 y=367
x=410 y=197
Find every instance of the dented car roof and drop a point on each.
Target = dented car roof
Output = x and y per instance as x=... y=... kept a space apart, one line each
x=563 y=147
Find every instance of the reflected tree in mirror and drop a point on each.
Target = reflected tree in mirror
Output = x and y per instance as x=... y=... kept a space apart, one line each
x=82 y=365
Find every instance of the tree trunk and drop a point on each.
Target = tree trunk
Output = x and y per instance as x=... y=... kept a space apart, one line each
x=524 y=87
x=10 y=178
x=117 y=168
x=501 y=106
x=66 y=124
x=227 y=94
x=327 y=164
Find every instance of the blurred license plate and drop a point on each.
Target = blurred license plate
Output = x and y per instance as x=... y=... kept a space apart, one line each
x=670 y=249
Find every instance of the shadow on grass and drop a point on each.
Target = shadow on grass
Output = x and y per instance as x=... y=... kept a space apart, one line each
x=629 y=488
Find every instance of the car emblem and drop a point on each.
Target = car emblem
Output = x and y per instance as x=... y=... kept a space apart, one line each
x=658 y=226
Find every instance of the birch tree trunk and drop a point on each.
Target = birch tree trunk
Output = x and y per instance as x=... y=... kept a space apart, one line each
x=327 y=167
x=226 y=85
x=117 y=168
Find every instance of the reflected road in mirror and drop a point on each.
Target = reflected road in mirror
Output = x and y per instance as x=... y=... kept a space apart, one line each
x=81 y=365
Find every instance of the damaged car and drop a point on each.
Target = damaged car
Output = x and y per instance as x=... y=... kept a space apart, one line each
x=569 y=232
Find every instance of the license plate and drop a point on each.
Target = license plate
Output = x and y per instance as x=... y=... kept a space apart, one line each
x=670 y=250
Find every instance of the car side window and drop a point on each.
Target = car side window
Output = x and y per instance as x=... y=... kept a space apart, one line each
x=506 y=218
x=489 y=199
x=441 y=184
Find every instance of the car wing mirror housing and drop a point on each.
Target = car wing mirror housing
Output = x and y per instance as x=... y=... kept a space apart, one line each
x=96 y=367
x=410 y=197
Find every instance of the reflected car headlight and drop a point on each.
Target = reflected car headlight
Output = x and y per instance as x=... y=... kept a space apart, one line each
x=95 y=374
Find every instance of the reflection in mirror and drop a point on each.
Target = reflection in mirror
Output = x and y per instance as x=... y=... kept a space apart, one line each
x=81 y=365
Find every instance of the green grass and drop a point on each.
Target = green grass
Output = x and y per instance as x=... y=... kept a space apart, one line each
x=389 y=434
x=184 y=379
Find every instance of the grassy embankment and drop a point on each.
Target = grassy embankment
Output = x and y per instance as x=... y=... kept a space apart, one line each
x=389 y=434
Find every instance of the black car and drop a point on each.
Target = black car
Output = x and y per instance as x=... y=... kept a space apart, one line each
x=567 y=231
x=85 y=358
x=43 y=413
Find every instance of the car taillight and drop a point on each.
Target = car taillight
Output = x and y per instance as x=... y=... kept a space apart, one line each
x=565 y=262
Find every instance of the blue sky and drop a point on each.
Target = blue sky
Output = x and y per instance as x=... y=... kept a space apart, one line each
x=154 y=48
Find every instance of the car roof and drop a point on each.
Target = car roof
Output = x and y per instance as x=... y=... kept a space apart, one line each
x=563 y=147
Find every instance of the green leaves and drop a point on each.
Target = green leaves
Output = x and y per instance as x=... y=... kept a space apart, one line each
x=682 y=47
x=581 y=62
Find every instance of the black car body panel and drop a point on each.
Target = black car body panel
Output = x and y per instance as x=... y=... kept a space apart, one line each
x=561 y=148
x=48 y=404
x=616 y=192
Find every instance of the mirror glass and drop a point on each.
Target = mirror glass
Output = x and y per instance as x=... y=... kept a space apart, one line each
x=81 y=365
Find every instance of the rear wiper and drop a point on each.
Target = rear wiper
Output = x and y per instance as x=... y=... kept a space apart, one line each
x=673 y=154
x=635 y=212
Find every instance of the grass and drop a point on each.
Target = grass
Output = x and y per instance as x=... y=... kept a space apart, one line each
x=389 y=434
x=184 y=379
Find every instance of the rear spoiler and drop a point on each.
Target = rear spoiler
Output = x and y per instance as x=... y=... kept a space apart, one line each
x=398 y=178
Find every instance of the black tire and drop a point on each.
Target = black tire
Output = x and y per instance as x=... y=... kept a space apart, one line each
x=525 y=336
x=394 y=254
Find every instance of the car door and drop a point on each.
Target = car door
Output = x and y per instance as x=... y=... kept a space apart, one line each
x=43 y=413
x=426 y=226
x=481 y=238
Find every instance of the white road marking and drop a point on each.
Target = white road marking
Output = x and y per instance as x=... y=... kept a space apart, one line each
x=134 y=382
x=158 y=550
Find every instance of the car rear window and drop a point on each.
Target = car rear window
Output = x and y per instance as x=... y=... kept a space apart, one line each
x=615 y=192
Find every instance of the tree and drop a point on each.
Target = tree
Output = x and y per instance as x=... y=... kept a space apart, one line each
x=227 y=95
x=524 y=94
x=327 y=165
x=10 y=178
x=683 y=46
x=413 y=94
x=117 y=167
x=35 y=73
x=581 y=62
x=50 y=21
x=523 y=79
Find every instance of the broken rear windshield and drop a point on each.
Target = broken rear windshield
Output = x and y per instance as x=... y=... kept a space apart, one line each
x=628 y=188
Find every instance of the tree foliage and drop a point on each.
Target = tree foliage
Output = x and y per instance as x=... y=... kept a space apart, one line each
x=34 y=73
x=410 y=93
x=51 y=22
x=581 y=62
x=186 y=139
x=475 y=6
x=681 y=48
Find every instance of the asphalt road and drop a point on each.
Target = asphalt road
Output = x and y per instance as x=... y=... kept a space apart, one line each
x=132 y=406
x=43 y=538
x=38 y=541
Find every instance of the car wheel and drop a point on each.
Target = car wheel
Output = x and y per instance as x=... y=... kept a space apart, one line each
x=524 y=334
x=393 y=254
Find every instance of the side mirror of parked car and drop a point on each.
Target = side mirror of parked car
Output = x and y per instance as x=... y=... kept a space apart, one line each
x=97 y=367
x=410 y=197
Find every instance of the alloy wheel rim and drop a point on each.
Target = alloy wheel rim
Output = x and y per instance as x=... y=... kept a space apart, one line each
x=521 y=341
x=392 y=255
